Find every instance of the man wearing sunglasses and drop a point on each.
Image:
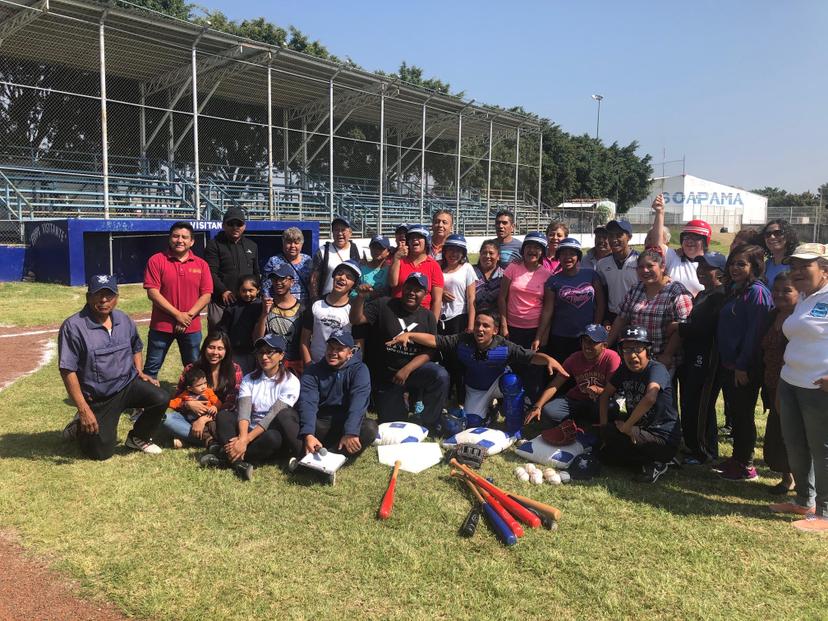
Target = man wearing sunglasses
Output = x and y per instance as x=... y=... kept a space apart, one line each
x=230 y=255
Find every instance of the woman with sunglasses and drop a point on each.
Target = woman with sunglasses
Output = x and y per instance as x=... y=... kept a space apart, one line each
x=742 y=322
x=779 y=239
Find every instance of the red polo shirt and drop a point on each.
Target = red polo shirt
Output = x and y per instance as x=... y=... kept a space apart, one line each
x=181 y=283
x=429 y=268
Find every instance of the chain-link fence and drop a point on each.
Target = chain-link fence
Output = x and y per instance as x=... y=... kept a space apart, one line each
x=107 y=110
x=808 y=221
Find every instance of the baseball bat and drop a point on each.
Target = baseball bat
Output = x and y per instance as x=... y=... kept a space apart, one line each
x=547 y=522
x=388 y=500
x=469 y=526
x=507 y=517
x=500 y=527
x=510 y=505
x=549 y=510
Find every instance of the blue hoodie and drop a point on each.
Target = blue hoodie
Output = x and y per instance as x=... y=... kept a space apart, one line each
x=334 y=393
x=742 y=322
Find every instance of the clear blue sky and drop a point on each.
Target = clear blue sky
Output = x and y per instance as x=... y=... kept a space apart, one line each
x=738 y=87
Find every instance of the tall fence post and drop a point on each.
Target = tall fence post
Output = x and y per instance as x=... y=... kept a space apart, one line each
x=270 y=196
x=104 y=122
x=422 y=166
x=381 y=161
x=196 y=162
x=331 y=144
x=142 y=127
x=489 y=179
x=457 y=175
x=540 y=174
x=517 y=167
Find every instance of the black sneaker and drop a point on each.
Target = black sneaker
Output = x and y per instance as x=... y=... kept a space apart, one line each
x=244 y=470
x=650 y=474
x=214 y=448
x=209 y=460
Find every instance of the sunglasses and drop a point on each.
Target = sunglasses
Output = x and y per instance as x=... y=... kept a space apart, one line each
x=235 y=223
x=776 y=233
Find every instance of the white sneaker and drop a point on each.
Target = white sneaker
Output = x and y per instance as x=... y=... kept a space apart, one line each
x=70 y=432
x=142 y=445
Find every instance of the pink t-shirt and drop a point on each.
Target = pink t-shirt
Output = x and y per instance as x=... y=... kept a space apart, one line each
x=525 y=295
x=588 y=373
x=553 y=265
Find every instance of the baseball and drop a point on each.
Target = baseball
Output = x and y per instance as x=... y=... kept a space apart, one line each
x=530 y=468
x=523 y=476
x=536 y=477
x=564 y=477
x=519 y=470
x=555 y=479
x=548 y=473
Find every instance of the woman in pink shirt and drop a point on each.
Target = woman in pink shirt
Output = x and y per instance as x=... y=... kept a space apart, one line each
x=521 y=302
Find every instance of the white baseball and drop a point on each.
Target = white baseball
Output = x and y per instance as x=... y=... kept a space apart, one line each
x=520 y=471
x=524 y=476
x=555 y=479
x=536 y=477
x=548 y=473
x=530 y=467
x=564 y=477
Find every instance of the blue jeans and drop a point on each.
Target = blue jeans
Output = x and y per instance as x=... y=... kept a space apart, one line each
x=158 y=343
x=802 y=412
x=178 y=425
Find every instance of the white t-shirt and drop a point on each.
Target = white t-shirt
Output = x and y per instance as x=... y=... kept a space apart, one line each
x=619 y=281
x=806 y=356
x=335 y=257
x=684 y=271
x=323 y=321
x=266 y=391
x=456 y=284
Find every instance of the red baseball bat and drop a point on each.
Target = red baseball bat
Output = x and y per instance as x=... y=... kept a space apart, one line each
x=511 y=522
x=513 y=507
x=388 y=500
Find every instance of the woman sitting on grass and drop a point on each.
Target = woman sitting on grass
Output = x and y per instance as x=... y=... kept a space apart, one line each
x=253 y=434
x=192 y=422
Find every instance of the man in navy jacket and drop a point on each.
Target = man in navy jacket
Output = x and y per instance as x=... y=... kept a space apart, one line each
x=332 y=404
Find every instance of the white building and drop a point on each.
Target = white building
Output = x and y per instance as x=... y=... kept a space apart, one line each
x=687 y=198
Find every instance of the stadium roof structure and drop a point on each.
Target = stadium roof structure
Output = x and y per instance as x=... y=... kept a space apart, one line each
x=157 y=51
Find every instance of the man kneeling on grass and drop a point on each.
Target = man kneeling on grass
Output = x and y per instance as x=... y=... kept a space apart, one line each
x=100 y=363
x=649 y=438
x=332 y=404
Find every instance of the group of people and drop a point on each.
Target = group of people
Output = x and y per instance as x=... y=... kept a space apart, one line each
x=296 y=354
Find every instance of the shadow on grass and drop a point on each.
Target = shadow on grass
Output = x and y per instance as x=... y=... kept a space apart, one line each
x=45 y=446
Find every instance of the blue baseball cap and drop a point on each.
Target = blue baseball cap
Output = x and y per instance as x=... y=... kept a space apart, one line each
x=458 y=241
x=351 y=265
x=570 y=242
x=274 y=341
x=380 y=241
x=343 y=220
x=341 y=337
x=534 y=237
x=283 y=271
x=102 y=281
x=417 y=229
x=624 y=225
x=713 y=259
x=419 y=278
x=596 y=332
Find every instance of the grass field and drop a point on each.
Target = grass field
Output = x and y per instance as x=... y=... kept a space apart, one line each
x=164 y=539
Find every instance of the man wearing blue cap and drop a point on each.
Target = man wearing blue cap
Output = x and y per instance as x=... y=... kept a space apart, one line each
x=619 y=270
x=332 y=404
x=396 y=369
x=100 y=362
x=699 y=372
x=590 y=369
x=333 y=253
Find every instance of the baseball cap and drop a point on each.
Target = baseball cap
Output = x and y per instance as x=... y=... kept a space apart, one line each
x=808 y=252
x=419 y=278
x=283 y=271
x=380 y=241
x=417 y=229
x=456 y=240
x=341 y=337
x=624 y=225
x=698 y=227
x=713 y=259
x=584 y=467
x=234 y=213
x=534 y=237
x=351 y=265
x=401 y=228
x=102 y=281
x=596 y=332
x=274 y=341
x=599 y=229
x=343 y=220
x=570 y=242
x=636 y=334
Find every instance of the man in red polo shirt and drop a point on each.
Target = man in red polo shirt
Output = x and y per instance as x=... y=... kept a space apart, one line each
x=179 y=285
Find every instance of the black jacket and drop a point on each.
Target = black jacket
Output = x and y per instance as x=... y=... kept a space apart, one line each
x=228 y=261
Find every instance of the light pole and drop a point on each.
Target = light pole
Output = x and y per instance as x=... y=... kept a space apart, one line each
x=598 y=98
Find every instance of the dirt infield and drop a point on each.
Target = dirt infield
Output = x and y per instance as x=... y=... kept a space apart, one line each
x=24 y=351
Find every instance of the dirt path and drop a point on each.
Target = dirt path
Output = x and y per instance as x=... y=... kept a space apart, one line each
x=29 y=589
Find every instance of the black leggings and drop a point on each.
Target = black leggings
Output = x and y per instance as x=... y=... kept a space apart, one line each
x=620 y=450
x=263 y=448
x=742 y=402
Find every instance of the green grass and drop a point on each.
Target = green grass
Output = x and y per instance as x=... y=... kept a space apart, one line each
x=39 y=304
x=164 y=539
